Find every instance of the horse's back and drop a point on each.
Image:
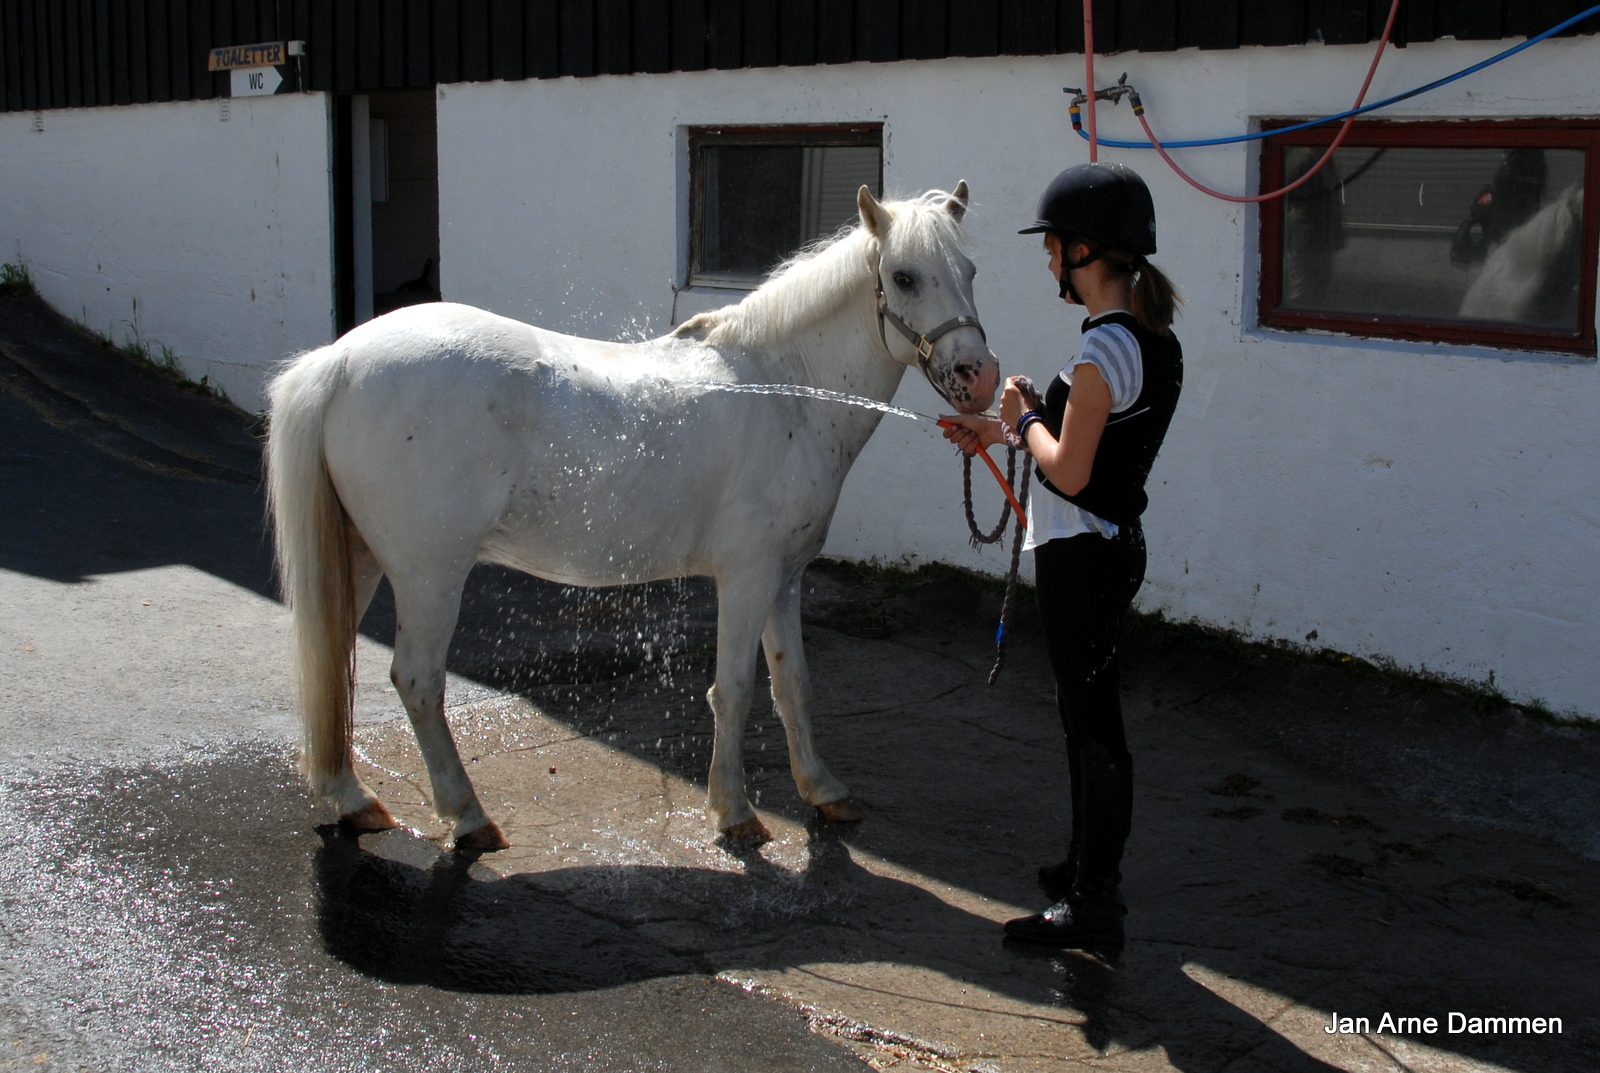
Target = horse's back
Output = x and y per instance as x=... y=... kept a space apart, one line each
x=545 y=451
x=452 y=336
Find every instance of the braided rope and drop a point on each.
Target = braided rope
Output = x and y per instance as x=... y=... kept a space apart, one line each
x=994 y=537
x=978 y=538
x=1000 y=636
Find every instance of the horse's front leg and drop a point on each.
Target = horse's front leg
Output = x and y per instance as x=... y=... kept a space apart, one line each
x=791 y=694
x=743 y=601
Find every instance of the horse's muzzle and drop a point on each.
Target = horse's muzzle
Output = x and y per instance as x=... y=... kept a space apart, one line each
x=978 y=377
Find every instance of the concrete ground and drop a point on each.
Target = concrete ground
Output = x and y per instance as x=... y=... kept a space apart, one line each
x=1310 y=837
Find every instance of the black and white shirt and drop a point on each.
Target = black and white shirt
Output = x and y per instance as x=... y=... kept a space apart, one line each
x=1114 y=352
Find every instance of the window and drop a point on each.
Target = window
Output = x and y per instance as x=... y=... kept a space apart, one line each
x=758 y=195
x=1459 y=232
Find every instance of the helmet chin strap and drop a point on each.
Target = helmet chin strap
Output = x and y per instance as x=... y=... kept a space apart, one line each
x=1068 y=291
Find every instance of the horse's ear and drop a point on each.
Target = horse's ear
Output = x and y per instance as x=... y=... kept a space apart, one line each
x=874 y=217
x=957 y=204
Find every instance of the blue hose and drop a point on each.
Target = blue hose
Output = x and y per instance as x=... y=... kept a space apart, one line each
x=1258 y=135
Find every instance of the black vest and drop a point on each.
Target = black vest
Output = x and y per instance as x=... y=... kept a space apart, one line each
x=1129 y=444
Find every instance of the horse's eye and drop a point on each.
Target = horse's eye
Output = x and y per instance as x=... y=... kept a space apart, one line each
x=903 y=281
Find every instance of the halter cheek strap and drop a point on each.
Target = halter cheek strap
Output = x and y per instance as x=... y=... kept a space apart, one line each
x=922 y=343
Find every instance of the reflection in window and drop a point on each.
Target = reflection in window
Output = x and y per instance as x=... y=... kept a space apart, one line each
x=1474 y=234
x=762 y=196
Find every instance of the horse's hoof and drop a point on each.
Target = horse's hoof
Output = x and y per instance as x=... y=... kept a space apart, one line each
x=751 y=832
x=844 y=810
x=370 y=817
x=486 y=839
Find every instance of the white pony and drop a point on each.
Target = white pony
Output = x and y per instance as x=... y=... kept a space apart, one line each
x=440 y=435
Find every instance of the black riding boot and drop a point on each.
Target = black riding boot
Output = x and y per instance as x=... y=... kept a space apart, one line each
x=1056 y=879
x=1091 y=913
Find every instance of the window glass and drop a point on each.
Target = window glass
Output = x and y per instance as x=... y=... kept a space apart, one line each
x=759 y=203
x=1443 y=234
x=749 y=218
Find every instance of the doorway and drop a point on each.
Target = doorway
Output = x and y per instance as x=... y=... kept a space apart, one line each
x=388 y=195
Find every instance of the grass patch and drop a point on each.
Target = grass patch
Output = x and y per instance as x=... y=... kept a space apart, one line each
x=14 y=279
x=899 y=580
x=1155 y=630
x=162 y=361
x=1486 y=699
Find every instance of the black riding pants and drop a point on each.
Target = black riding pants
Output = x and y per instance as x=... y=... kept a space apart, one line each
x=1086 y=584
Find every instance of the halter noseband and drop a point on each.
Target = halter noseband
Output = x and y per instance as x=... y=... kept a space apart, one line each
x=922 y=343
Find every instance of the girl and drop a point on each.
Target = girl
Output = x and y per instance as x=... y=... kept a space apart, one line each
x=1093 y=437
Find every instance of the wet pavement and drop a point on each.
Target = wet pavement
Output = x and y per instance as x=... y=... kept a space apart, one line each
x=190 y=914
x=1310 y=836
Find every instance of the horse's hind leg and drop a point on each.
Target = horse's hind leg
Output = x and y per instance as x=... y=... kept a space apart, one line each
x=791 y=693
x=425 y=617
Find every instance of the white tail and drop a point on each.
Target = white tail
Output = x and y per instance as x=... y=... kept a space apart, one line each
x=313 y=553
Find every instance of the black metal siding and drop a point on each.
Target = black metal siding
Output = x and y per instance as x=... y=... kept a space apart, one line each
x=73 y=53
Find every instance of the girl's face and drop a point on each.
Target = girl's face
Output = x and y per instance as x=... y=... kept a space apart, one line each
x=1052 y=246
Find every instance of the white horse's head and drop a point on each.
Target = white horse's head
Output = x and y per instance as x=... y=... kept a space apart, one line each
x=926 y=315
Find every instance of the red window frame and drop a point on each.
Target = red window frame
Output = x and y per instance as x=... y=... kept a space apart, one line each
x=1494 y=134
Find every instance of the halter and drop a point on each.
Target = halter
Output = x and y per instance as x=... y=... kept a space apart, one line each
x=922 y=343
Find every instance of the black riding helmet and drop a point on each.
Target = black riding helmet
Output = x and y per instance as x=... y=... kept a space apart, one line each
x=1107 y=204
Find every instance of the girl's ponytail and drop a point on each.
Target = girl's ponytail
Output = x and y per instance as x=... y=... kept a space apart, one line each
x=1155 y=300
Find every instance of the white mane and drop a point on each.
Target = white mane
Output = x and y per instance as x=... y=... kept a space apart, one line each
x=815 y=282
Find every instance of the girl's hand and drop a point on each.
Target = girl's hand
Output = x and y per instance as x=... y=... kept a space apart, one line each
x=972 y=432
x=1013 y=404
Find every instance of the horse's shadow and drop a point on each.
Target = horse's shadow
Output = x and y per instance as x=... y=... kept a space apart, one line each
x=413 y=915
x=400 y=910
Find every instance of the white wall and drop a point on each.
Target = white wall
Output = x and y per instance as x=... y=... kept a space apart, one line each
x=165 y=222
x=1435 y=506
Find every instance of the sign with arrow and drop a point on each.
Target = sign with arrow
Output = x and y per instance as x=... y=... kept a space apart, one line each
x=255 y=81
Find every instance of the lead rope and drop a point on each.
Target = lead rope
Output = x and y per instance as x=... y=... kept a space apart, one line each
x=994 y=537
x=978 y=539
